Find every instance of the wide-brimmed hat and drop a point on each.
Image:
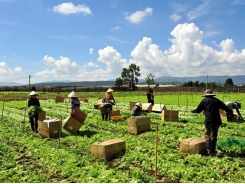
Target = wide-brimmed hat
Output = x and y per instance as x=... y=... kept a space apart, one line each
x=33 y=93
x=72 y=94
x=109 y=90
x=238 y=104
x=151 y=86
x=138 y=104
x=208 y=92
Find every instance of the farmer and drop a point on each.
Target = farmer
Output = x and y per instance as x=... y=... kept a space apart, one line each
x=33 y=101
x=74 y=102
x=136 y=111
x=107 y=102
x=234 y=105
x=211 y=105
x=150 y=95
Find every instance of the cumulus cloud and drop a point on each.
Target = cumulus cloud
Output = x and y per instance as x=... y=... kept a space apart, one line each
x=5 y=70
x=92 y=64
x=175 y=17
x=138 y=16
x=70 y=8
x=58 y=68
x=188 y=55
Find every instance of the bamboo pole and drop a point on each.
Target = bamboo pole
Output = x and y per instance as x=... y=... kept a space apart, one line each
x=3 y=108
x=156 y=143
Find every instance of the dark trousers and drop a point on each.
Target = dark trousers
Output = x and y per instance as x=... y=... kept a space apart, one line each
x=33 y=121
x=211 y=134
x=105 y=111
x=151 y=101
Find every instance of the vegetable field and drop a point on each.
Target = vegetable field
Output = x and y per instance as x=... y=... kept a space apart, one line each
x=25 y=156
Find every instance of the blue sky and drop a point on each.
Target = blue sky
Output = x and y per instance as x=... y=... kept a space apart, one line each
x=90 y=40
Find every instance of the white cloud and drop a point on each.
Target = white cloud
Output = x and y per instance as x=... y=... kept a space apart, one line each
x=188 y=55
x=199 y=11
x=5 y=70
x=138 y=16
x=58 y=68
x=70 y=8
x=92 y=64
x=175 y=17
x=116 y=28
x=91 y=51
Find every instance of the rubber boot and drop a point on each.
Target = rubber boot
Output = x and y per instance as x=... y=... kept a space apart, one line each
x=36 y=127
x=103 y=116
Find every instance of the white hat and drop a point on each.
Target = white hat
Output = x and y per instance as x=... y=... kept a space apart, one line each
x=72 y=94
x=151 y=86
x=109 y=90
x=208 y=92
x=33 y=93
x=138 y=104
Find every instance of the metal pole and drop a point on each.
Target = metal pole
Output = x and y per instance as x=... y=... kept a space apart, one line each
x=156 y=143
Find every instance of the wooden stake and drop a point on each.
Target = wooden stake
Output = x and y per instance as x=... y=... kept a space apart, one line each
x=156 y=153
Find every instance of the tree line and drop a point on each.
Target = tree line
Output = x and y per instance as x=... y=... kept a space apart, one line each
x=129 y=77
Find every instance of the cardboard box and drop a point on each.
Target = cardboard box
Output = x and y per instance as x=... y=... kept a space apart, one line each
x=72 y=125
x=79 y=116
x=138 y=124
x=42 y=115
x=84 y=100
x=67 y=100
x=116 y=118
x=158 y=108
x=115 y=113
x=50 y=128
x=147 y=107
x=108 y=149
x=224 y=117
x=59 y=99
x=193 y=146
x=132 y=104
x=97 y=106
x=170 y=115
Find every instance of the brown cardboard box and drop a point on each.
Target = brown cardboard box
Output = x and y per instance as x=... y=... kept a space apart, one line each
x=115 y=113
x=193 y=146
x=224 y=117
x=59 y=99
x=72 y=125
x=108 y=149
x=42 y=115
x=132 y=104
x=84 y=100
x=79 y=116
x=116 y=118
x=50 y=128
x=139 y=124
x=170 y=115
x=96 y=106
x=147 y=107
x=67 y=100
x=158 y=108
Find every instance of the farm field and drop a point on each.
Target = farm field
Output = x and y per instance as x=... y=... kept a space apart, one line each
x=28 y=157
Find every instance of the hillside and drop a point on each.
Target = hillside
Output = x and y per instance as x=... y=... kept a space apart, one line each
x=237 y=80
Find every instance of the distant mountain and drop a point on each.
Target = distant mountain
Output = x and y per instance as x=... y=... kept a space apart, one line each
x=10 y=84
x=237 y=80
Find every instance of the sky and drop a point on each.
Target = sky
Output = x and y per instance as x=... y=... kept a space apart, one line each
x=93 y=40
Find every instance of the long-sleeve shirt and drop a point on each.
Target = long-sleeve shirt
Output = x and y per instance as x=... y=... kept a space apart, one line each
x=75 y=103
x=136 y=111
x=211 y=106
x=233 y=105
x=33 y=102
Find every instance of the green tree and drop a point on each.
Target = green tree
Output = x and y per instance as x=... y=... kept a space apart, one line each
x=150 y=79
x=130 y=75
x=119 y=82
x=228 y=82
